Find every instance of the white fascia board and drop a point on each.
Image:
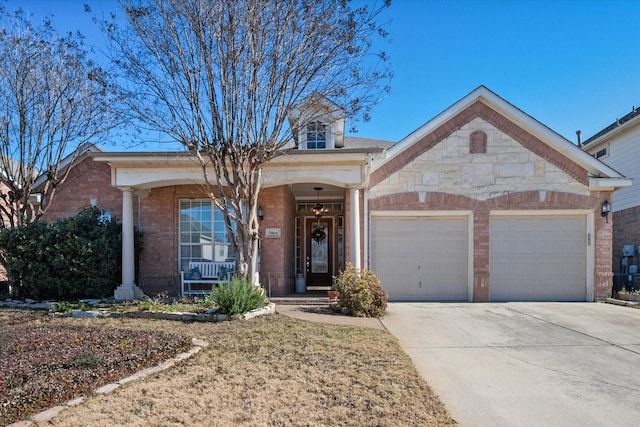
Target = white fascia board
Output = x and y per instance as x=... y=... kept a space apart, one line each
x=612 y=134
x=525 y=121
x=145 y=158
x=437 y=121
x=549 y=137
x=338 y=155
x=609 y=184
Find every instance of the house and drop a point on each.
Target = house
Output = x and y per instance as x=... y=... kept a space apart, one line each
x=617 y=145
x=481 y=203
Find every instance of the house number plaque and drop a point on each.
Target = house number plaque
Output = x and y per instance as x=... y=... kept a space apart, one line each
x=272 y=233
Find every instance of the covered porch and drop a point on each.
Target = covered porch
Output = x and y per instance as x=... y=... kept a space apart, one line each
x=154 y=186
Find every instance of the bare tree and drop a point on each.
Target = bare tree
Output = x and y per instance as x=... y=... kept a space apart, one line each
x=221 y=76
x=51 y=102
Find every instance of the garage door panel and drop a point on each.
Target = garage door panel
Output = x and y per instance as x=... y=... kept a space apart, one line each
x=430 y=260
x=538 y=258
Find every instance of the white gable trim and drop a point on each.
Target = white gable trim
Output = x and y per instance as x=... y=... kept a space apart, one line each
x=526 y=122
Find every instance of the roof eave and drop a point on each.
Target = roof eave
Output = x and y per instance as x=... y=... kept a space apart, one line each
x=590 y=144
x=609 y=184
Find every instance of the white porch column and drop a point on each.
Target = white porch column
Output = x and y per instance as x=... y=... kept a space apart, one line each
x=128 y=290
x=355 y=221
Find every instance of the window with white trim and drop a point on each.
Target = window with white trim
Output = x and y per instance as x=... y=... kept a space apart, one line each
x=203 y=235
x=318 y=135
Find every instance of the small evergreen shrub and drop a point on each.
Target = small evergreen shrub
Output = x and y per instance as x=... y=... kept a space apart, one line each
x=237 y=296
x=74 y=258
x=360 y=292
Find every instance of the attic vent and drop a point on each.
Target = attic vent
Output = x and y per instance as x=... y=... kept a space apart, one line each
x=602 y=153
x=478 y=142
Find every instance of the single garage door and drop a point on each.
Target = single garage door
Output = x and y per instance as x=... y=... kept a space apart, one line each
x=421 y=259
x=538 y=258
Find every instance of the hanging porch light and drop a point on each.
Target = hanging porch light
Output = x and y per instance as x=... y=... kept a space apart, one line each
x=318 y=234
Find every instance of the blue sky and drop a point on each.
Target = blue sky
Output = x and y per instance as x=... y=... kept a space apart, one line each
x=571 y=64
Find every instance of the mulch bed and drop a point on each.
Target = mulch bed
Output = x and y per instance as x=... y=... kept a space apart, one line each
x=45 y=363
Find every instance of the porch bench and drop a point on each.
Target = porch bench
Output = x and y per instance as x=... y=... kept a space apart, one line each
x=205 y=273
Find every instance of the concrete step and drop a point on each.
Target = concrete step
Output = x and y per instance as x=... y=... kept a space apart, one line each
x=308 y=298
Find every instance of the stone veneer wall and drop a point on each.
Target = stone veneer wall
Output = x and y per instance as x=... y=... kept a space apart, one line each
x=449 y=167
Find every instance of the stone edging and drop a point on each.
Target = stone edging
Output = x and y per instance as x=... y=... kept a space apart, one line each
x=160 y=315
x=52 y=412
x=621 y=302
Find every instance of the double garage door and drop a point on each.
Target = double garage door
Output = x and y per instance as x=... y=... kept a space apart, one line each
x=532 y=258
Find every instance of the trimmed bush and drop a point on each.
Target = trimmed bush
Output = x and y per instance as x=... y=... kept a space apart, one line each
x=238 y=296
x=75 y=258
x=360 y=292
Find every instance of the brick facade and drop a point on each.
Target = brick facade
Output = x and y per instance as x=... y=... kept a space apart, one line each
x=277 y=270
x=86 y=180
x=157 y=269
x=526 y=201
x=625 y=232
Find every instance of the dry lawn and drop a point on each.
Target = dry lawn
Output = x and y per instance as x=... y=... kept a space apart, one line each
x=269 y=371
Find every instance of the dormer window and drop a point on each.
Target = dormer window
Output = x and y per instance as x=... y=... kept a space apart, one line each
x=317 y=135
x=317 y=124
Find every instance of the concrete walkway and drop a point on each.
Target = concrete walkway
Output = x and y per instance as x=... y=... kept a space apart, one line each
x=526 y=364
x=321 y=313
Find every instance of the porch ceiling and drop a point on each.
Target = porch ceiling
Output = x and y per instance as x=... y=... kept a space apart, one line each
x=305 y=191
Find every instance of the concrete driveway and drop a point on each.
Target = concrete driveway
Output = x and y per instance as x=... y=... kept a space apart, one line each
x=526 y=364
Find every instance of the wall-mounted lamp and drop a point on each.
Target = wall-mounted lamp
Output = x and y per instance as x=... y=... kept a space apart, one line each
x=605 y=209
x=260 y=213
x=93 y=201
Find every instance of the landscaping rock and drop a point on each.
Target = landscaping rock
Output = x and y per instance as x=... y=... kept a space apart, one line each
x=81 y=314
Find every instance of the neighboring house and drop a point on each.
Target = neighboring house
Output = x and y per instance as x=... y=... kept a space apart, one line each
x=482 y=203
x=618 y=145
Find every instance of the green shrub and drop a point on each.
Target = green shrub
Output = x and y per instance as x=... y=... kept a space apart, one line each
x=237 y=296
x=75 y=258
x=360 y=292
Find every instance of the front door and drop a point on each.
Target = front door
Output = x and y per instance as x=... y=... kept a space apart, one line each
x=319 y=261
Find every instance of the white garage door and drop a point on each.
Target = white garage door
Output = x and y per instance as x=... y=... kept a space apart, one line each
x=421 y=259
x=538 y=258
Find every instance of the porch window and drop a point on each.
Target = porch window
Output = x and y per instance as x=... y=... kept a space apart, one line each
x=203 y=235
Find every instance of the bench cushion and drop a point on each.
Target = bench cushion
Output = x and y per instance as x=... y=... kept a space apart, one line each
x=193 y=274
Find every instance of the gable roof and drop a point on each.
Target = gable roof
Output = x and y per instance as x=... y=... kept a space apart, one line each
x=314 y=107
x=70 y=160
x=532 y=134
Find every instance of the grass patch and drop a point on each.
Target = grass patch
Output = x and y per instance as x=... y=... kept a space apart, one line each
x=269 y=371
